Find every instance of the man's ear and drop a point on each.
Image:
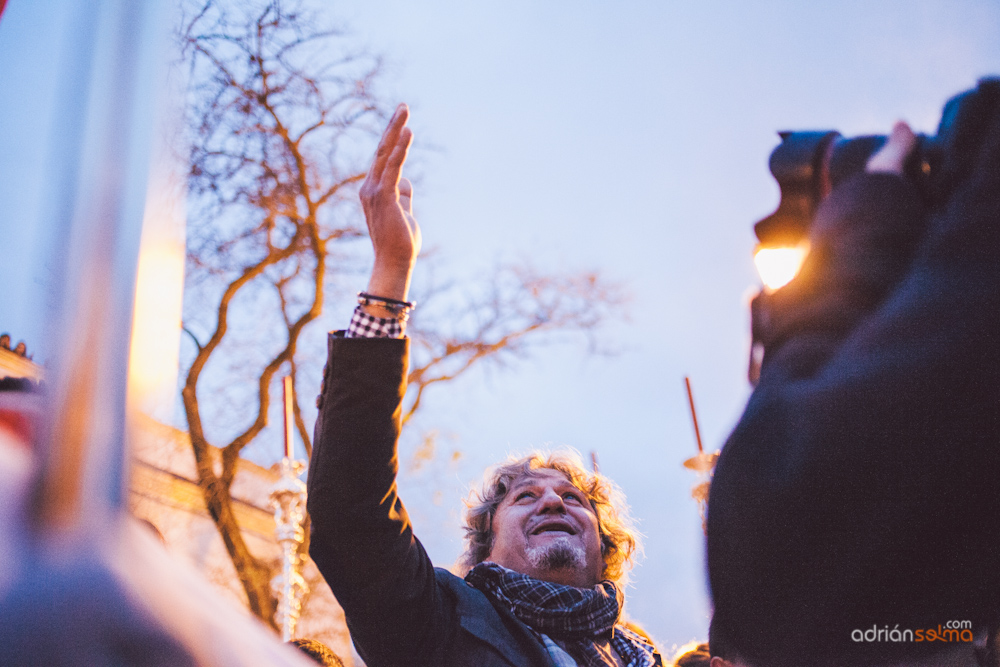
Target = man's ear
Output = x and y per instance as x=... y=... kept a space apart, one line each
x=719 y=662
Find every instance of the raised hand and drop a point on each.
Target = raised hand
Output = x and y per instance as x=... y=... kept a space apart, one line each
x=387 y=200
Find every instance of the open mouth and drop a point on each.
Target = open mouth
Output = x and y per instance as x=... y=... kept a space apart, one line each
x=553 y=528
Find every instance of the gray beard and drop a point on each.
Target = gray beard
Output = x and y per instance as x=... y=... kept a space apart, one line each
x=559 y=554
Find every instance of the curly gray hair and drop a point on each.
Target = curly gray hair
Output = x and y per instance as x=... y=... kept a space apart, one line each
x=619 y=537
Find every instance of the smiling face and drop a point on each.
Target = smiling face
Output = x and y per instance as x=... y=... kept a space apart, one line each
x=546 y=528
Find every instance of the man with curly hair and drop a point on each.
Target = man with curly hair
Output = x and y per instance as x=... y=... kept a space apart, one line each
x=548 y=542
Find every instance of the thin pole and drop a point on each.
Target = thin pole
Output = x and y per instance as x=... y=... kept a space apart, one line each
x=287 y=385
x=694 y=415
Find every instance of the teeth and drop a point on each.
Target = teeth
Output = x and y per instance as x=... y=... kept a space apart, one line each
x=553 y=529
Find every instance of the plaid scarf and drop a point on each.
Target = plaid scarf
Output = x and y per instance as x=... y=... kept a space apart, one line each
x=574 y=617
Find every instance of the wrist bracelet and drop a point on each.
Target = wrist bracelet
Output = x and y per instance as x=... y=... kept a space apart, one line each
x=395 y=305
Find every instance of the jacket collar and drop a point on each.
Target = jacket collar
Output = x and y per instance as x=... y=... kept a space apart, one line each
x=494 y=625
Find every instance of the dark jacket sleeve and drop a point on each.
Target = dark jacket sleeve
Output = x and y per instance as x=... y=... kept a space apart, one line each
x=859 y=487
x=362 y=540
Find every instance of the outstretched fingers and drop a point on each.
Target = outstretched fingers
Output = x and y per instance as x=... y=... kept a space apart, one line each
x=394 y=163
x=388 y=144
x=406 y=195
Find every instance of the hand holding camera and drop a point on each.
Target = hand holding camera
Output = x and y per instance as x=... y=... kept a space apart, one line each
x=891 y=158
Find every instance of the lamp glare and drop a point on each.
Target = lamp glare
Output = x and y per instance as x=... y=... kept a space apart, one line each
x=777 y=266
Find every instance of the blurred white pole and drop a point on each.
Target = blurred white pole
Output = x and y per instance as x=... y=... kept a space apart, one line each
x=159 y=290
x=80 y=584
x=99 y=177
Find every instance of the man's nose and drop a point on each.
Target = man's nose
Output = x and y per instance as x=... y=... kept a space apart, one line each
x=551 y=502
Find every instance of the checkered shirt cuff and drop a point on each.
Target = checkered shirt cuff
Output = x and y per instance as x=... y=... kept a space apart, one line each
x=364 y=325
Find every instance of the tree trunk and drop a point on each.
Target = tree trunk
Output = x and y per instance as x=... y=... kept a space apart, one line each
x=254 y=576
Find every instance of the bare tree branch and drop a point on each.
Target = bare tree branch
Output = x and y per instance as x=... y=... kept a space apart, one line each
x=515 y=311
x=265 y=181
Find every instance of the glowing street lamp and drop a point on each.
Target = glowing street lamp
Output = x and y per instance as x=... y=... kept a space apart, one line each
x=801 y=166
x=778 y=265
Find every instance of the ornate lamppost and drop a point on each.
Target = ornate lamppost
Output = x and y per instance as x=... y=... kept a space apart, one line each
x=288 y=500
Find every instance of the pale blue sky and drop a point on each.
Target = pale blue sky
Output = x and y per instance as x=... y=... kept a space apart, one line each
x=627 y=137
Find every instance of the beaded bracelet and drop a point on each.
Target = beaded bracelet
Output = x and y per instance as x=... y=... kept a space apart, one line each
x=398 y=308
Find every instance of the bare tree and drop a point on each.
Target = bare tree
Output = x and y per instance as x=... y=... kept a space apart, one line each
x=500 y=317
x=282 y=116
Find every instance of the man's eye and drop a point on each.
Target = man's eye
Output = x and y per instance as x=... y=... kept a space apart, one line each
x=525 y=494
x=572 y=496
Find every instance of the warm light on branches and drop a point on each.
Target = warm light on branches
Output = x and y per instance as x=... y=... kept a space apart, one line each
x=277 y=108
x=283 y=121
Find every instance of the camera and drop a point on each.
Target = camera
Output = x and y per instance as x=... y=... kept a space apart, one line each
x=808 y=165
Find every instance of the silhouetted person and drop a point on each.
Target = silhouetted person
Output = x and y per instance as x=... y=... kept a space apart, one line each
x=854 y=512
